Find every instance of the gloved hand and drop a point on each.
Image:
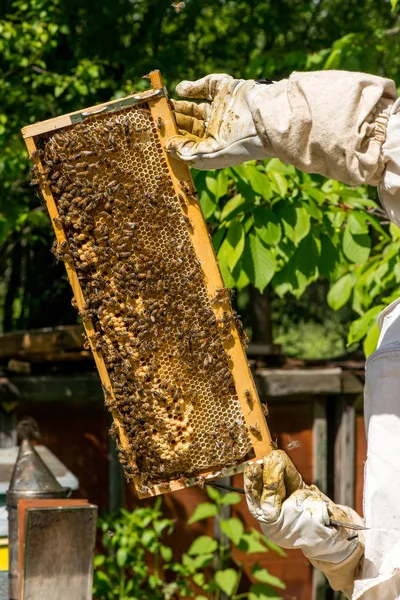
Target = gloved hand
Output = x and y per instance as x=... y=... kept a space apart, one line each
x=328 y=122
x=219 y=134
x=294 y=515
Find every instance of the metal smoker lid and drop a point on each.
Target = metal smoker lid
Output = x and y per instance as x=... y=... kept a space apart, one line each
x=31 y=477
x=31 y=474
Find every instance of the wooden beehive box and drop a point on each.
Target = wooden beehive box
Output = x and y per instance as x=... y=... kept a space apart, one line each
x=167 y=345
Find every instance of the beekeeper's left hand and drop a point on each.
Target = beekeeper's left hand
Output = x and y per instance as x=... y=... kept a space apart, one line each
x=294 y=515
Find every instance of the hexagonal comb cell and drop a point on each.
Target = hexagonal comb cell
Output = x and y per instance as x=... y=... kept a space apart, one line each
x=127 y=238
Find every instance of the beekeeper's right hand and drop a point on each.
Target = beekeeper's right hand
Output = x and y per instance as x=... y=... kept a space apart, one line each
x=218 y=133
x=294 y=515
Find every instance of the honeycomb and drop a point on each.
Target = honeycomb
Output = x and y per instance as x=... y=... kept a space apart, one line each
x=128 y=240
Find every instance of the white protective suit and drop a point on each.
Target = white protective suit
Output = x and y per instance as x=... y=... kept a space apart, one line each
x=345 y=126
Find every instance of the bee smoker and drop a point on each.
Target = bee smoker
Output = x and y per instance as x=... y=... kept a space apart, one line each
x=31 y=478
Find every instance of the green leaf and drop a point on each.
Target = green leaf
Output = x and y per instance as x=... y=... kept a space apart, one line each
x=314 y=193
x=197 y=562
x=160 y=525
x=122 y=555
x=226 y=580
x=307 y=259
x=340 y=292
x=258 y=181
x=251 y=544
x=233 y=207
x=203 y=511
x=360 y=327
x=295 y=219
x=204 y=544
x=394 y=231
x=235 y=243
x=279 y=182
x=229 y=281
x=258 y=262
x=207 y=203
x=356 y=247
x=199 y=579
x=393 y=3
x=233 y=529
x=328 y=258
x=272 y=546
x=371 y=340
x=262 y=591
x=218 y=237
x=265 y=577
x=201 y=598
x=267 y=225
x=148 y=537
x=214 y=494
x=357 y=222
x=231 y=498
x=217 y=183
x=99 y=560
x=166 y=553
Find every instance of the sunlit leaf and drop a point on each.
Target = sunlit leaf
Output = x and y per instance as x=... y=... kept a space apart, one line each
x=356 y=247
x=204 y=544
x=203 y=511
x=262 y=591
x=122 y=555
x=231 y=498
x=340 y=292
x=233 y=207
x=267 y=225
x=258 y=181
x=233 y=529
x=265 y=576
x=371 y=340
x=235 y=244
x=226 y=580
x=251 y=543
x=258 y=262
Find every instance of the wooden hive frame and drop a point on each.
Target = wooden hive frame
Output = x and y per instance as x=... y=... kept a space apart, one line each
x=183 y=185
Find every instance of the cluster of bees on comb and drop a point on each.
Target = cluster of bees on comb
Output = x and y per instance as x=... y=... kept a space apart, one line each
x=127 y=238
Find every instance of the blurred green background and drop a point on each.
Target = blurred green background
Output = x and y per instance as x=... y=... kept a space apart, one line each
x=329 y=260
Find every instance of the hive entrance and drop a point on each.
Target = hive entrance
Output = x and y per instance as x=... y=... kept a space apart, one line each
x=127 y=236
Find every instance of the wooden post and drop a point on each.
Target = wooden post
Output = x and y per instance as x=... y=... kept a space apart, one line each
x=320 y=479
x=344 y=452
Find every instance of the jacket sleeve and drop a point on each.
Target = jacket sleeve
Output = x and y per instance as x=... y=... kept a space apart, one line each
x=327 y=122
x=341 y=576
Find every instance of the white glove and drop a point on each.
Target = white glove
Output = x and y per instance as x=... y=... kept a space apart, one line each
x=294 y=515
x=220 y=134
x=327 y=122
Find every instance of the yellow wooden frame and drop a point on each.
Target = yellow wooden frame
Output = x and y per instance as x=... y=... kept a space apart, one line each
x=182 y=181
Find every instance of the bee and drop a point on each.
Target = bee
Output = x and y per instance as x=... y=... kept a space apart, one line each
x=188 y=222
x=60 y=251
x=248 y=396
x=184 y=186
x=37 y=154
x=160 y=123
x=57 y=222
x=255 y=430
x=85 y=314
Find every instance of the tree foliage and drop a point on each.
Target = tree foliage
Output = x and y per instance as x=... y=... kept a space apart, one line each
x=273 y=225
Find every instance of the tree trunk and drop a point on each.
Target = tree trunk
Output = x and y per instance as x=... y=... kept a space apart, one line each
x=12 y=287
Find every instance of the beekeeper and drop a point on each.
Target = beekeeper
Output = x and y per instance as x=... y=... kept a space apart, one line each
x=345 y=126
